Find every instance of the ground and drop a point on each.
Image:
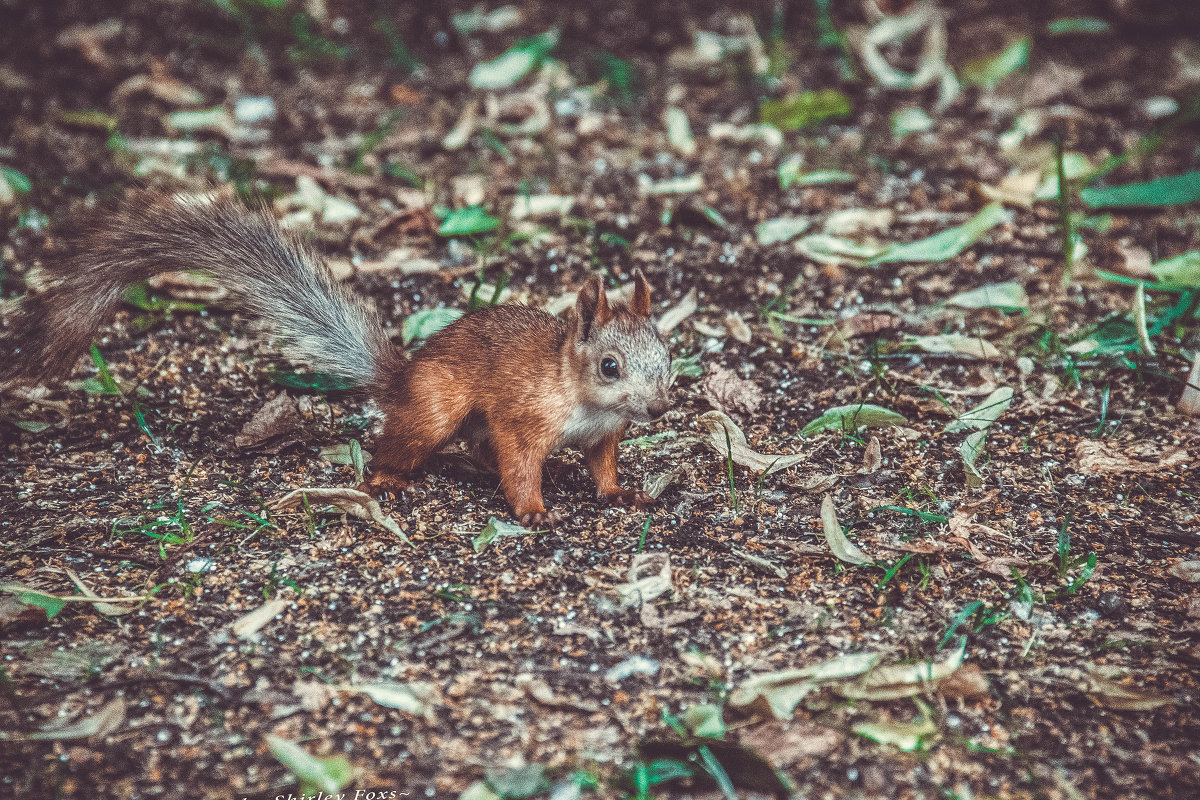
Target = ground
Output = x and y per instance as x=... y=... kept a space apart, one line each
x=1026 y=627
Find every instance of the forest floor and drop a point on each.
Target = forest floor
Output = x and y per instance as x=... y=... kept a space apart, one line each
x=980 y=580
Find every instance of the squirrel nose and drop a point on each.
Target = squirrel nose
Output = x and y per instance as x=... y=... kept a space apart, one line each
x=657 y=408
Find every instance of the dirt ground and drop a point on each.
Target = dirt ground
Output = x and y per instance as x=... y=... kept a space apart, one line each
x=1026 y=627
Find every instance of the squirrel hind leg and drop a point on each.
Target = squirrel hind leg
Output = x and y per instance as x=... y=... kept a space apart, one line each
x=412 y=432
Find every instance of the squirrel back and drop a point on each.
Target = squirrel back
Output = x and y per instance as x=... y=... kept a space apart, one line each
x=277 y=276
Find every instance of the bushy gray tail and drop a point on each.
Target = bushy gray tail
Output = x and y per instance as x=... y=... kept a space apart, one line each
x=276 y=276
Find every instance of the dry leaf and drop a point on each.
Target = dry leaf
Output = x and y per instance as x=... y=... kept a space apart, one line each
x=540 y=691
x=842 y=547
x=730 y=392
x=737 y=327
x=1100 y=458
x=966 y=683
x=1186 y=571
x=719 y=426
x=249 y=624
x=353 y=502
x=787 y=746
x=872 y=458
x=671 y=319
x=104 y=721
x=1123 y=697
x=274 y=421
x=649 y=576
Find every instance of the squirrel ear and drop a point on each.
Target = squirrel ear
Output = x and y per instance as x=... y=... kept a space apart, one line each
x=640 y=304
x=591 y=309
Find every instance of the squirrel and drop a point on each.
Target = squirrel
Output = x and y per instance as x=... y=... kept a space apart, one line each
x=516 y=381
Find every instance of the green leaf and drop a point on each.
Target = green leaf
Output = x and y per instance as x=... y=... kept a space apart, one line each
x=842 y=547
x=1178 y=272
x=990 y=71
x=15 y=180
x=318 y=381
x=1068 y=25
x=804 y=109
x=791 y=172
x=47 y=602
x=31 y=425
x=496 y=528
x=1008 y=296
x=781 y=229
x=104 y=382
x=849 y=418
x=970 y=450
x=321 y=774
x=954 y=344
x=960 y=616
x=983 y=415
x=466 y=221
x=714 y=216
x=687 y=366
x=910 y=119
x=97 y=120
x=517 y=782
x=426 y=322
x=1173 y=190
x=949 y=243
x=663 y=770
x=906 y=736
x=514 y=63
x=705 y=721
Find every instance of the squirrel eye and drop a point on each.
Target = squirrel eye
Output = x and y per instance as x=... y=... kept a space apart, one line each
x=609 y=369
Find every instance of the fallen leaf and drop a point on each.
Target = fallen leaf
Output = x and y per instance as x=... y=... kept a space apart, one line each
x=353 y=502
x=781 y=229
x=540 y=691
x=685 y=185
x=903 y=680
x=1123 y=697
x=418 y=698
x=965 y=683
x=872 y=458
x=649 y=576
x=1008 y=296
x=541 y=205
x=249 y=624
x=106 y=720
x=274 y=421
x=778 y=693
x=677 y=314
x=853 y=417
x=1186 y=571
x=955 y=344
x=326 y=775
x=1094 y=457
x=729 y=392
x=842 y=547
x=982 y=416
x=718 y=424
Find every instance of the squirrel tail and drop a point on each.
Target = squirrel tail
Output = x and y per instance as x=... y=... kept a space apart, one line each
x=276 y=275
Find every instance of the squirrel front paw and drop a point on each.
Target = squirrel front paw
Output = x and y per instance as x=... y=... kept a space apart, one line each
x=629 y=497
x=382 y=483
x=539 y=519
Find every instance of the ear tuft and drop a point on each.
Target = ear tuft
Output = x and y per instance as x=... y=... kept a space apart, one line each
x=640 y=304
x=591 y=308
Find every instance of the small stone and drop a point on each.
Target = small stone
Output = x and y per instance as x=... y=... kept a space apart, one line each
x=1112 y=605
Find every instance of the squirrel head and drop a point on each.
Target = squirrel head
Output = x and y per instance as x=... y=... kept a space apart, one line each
x=623 y=363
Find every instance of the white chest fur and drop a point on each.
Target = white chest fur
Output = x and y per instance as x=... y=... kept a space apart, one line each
x=587 y=426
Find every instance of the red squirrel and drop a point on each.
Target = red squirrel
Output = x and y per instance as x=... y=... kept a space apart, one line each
x=515 y=380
